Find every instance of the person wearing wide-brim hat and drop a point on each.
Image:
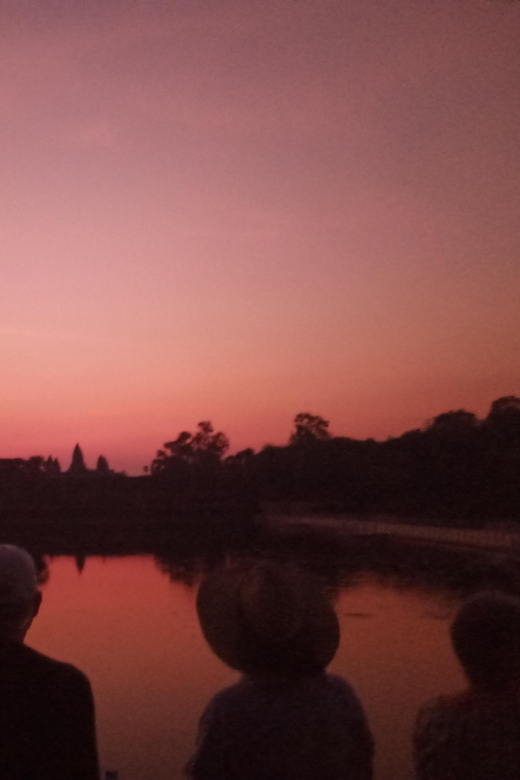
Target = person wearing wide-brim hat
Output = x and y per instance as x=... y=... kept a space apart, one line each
x=286 y=719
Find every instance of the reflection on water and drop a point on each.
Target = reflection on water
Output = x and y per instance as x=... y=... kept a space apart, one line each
x=130 y=624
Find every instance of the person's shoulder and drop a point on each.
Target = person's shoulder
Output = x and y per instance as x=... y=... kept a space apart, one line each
x=336 y=683
x=443 y=706
x=245 y=696
x=339 y=687
x=240 y=690
x=332 y=694
x=56 y=671
x=440 y=715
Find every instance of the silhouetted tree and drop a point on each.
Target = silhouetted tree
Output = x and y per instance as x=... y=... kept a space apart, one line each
x=190 y=473
x=205 y=445
x=503 y=462
x=504 y=416
x=243 y=458
x=309 y=428
x=180 y=448
x=208 y=442
x=453 y=422
x=35 y=466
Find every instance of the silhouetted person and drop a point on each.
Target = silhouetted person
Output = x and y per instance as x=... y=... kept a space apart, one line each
x=47 y=729
x=475 y=734
x=286 y=719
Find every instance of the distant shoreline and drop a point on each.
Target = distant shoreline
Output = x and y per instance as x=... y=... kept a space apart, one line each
x=482 y=538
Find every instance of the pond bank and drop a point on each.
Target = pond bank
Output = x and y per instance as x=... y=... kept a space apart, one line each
x=499 y=540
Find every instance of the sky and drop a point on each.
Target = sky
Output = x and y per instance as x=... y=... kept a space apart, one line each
x=238 y=210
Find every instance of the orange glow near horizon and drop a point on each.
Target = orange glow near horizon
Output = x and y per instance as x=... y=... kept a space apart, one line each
x=213 y=211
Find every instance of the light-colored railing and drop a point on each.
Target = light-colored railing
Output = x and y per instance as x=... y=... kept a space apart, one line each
x=497 y=540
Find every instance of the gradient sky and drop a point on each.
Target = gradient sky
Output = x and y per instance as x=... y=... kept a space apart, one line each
x=238 y=210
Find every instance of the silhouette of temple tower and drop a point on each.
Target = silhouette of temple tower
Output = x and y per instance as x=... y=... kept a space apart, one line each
x=77 y=467
x=102 y=466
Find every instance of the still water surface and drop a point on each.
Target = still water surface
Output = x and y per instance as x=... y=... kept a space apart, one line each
x=134 y=631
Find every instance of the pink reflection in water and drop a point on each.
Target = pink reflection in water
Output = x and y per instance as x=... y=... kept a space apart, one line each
x=136 y=635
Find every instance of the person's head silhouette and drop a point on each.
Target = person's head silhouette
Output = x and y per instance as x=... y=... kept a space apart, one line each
x=486 y=640
x=20 y=598
x=286 y=717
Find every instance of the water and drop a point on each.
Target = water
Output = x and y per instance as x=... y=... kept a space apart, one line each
x=134 y=631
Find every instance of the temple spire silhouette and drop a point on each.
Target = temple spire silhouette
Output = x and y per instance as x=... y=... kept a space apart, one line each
x=77 y=465
x=102 y=466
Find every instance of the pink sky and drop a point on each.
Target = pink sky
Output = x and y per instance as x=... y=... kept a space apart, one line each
x=238 y=210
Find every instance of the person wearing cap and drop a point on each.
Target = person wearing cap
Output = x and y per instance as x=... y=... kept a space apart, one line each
x=47 y=726
x=286 y=719
x=475 y=734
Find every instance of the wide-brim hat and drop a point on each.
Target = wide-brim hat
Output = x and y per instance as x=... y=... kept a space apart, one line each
x=268 y=618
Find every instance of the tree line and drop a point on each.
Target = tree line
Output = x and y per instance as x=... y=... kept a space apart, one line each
x=456 y=468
